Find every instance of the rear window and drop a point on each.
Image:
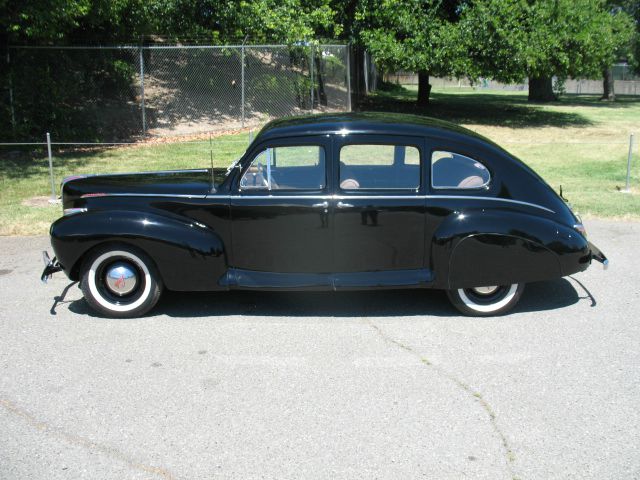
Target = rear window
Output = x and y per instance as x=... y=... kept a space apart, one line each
x=453 y=170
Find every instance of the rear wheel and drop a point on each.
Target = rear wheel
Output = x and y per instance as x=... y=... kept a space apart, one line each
x=486 y=301
x=120 y=281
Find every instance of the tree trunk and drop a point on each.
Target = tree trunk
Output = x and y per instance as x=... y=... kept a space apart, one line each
x=424 y=89
x=541 y=89
x=607 y=85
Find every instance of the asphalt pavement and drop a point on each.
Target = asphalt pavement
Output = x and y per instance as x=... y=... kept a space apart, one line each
x=392 y=385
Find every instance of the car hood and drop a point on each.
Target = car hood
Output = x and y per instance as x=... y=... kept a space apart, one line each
x=173 y=182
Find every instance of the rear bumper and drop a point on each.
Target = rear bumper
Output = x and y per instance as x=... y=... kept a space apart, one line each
x=597 y=255
x=50 y=267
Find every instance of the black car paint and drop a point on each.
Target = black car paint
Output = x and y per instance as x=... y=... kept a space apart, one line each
x=204 y=234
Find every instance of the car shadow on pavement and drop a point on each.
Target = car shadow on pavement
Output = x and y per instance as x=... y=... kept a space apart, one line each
x=538 y=296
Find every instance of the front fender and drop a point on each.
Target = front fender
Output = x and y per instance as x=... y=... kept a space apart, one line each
x=189 y=255
x=484 y=247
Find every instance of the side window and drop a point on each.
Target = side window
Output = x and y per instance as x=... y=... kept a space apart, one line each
x=452 y=170
x=379 y=167
x=286 y=168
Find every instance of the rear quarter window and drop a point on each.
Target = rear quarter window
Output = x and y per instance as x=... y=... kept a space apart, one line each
x=452 y=170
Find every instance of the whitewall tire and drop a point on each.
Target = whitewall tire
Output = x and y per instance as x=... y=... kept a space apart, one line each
x=120 y=281
x=486 y=301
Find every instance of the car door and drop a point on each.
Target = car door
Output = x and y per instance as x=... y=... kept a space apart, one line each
x=379 y=215
x=280 y=210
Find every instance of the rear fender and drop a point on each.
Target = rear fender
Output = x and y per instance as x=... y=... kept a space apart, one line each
x=189 y=255
x=484 y=247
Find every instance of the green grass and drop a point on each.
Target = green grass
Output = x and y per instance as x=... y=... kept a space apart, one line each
x=578 y=142
x=24 y=174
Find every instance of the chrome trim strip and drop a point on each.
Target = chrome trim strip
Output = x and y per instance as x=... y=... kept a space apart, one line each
x=331 y=197
x=377 y=197
x=170 y=195
x=73 y=211
x=494 y=199
x=389 y=197
x=328 y=197
x=278 y=197
x=115 y=174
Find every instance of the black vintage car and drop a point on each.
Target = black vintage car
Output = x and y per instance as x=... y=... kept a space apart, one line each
x=325 y=202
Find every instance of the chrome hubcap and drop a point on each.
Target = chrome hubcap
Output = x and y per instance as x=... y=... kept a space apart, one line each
x=486 y=290
x=121 y=278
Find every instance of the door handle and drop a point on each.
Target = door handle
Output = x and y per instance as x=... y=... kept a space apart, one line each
x=321 y=205
x=344 y=205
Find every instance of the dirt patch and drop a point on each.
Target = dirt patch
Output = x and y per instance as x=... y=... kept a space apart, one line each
x=42 y=201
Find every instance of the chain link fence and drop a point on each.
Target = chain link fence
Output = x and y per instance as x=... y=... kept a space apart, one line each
x=108 y=94
x=624 y=83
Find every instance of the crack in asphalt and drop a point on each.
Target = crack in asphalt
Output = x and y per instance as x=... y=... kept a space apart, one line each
x=83 y=442
x=476 y=396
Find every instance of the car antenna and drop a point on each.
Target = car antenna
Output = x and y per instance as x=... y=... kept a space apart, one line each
x=561 y=195
x=213 y=176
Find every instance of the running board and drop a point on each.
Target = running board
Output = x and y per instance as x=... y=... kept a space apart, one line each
x=236 y=278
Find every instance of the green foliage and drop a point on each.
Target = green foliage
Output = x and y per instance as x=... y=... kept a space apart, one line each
x=630 y=51
x=38 y=20
x=286 y=21
x=71 y=95
x=509 y=40
x=117 y=21
x=415 y=35
x=72 y=92
x=266 y=92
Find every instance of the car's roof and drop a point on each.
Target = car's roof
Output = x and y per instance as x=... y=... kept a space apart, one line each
x=365 y=122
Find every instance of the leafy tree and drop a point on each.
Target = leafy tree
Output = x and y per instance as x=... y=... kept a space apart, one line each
x=415 y=35
x=622 y=32
x=40 y=20
x=630 y=51
x=509 y=40
x=632 y=7
x=109 y=21
x=286 y=21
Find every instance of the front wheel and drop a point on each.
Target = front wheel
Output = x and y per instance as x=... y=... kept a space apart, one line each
x=120 y=281
x=486 y=301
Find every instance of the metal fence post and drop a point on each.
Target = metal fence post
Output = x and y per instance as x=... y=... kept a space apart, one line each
x=627 y=186
x=53 y=186
x=311 y=75
x=348 y=47
x=144 y=119
x=366 y=74
x=11 y=108
x=242 y=81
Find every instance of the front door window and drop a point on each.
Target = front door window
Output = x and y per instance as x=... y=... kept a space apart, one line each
x=286 y=168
